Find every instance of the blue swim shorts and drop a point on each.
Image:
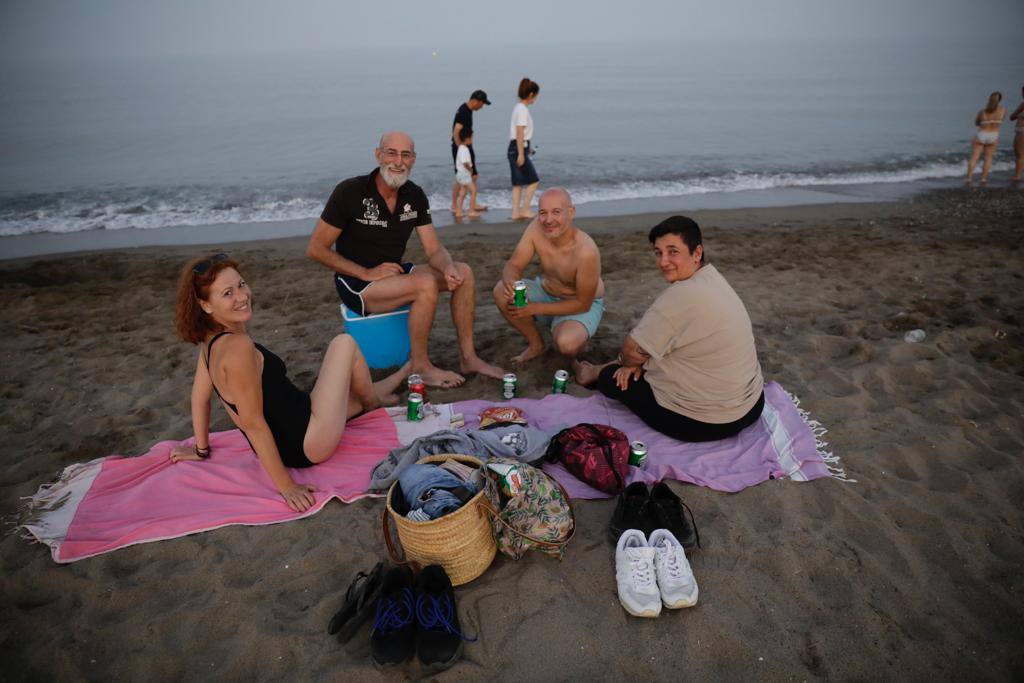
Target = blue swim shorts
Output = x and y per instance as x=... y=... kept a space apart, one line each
x=590 y=319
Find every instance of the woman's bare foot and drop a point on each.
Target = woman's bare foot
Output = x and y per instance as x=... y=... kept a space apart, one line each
x=527 y=215
x=479 y=207
x=528 y=354
x=434 y=376
x=477 y=365
x=386 y=388
x=586 y=373
x=473 y=214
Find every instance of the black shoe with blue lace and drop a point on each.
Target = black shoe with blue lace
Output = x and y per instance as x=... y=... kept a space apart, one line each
x=393 y=640
x=438 y=638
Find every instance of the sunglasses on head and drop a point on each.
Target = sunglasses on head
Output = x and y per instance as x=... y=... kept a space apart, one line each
x=205 y=264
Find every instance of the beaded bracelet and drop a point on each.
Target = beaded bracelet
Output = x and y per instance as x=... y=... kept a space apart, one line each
x=202 y=453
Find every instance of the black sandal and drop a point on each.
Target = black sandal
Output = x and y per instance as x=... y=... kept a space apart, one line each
x=360 y=598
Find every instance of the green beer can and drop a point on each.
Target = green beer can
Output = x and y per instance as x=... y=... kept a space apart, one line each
x=637 y=454
x=519 y=293
x=509 y=384
x=414 y=407
x=561 y=379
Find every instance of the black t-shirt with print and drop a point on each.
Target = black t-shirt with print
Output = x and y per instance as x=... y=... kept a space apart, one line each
x=370 y=234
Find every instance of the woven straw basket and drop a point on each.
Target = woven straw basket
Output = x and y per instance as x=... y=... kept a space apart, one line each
x=461 y=542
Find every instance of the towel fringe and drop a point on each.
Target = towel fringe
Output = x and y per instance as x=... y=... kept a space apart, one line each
x=831 y=460
x=46 y=515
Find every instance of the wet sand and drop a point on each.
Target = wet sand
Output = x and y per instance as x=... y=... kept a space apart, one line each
x=914 y=571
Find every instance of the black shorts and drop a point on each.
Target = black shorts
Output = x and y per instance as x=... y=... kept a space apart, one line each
x=472 y=157
x=525 y=174
x=351 y=289
x=639 y=398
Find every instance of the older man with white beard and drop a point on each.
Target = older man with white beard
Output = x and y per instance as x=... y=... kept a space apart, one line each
x=369 y=219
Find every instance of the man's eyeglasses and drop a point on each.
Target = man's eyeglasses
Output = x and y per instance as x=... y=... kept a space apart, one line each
x=394 y=154
x=205 y=264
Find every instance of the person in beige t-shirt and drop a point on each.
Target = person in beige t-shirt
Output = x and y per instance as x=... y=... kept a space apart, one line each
x=689 y=368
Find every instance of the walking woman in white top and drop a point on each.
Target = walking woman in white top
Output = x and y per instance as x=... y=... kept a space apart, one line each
x=1018 y=139
x=985 y=140
x=519 y=151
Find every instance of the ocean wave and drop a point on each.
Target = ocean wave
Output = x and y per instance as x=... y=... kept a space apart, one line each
x=150 y=209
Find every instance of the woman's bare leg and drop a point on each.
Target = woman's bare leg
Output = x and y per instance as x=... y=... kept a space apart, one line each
x=527 y=200
x=976 y=148
x=990 y=151
x=1018 y=150
x=517 y=191
x=343 y=389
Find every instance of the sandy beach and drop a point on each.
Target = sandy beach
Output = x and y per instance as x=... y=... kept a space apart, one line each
x=915 y=571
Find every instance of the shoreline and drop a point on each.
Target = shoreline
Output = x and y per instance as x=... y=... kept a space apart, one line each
x=914 y=571
x=53 y=243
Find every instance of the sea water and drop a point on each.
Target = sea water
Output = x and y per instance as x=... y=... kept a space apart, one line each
x=157 y=143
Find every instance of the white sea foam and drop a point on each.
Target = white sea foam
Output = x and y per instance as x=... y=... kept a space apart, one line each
x=145 y=211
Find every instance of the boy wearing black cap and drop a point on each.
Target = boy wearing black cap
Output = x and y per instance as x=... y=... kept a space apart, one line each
x=464 y=119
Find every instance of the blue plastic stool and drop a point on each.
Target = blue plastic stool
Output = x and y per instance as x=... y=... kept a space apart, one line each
x=382 y=337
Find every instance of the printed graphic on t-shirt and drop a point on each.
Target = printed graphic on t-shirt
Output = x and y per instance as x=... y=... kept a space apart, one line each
x=371 y=213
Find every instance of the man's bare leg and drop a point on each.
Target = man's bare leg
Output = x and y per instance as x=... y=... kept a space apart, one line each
x=418 y=288
x=464 y=315
x=570 y=338
x=525 y=326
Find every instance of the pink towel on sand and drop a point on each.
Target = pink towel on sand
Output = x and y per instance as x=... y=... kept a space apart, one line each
x=117 y=501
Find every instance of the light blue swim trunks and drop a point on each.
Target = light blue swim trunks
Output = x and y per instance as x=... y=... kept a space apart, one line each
x=589 y=319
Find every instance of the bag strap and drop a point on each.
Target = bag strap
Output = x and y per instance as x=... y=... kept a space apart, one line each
x=606 y=447
x=488 y=506
x=392 y=550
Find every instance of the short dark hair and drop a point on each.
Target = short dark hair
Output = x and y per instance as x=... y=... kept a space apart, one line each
x=686 y=228
x=465 y=132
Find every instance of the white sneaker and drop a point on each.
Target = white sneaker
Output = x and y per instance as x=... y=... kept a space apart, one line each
x=675 y=577
x=635 y=575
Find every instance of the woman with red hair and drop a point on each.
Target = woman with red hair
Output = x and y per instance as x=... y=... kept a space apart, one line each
x=285 y=426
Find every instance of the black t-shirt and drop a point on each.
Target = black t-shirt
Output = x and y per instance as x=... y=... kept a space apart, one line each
x=370 y=234
x=464 y=116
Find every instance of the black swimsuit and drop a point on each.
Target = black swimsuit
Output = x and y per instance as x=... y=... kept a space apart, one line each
x=286 y=408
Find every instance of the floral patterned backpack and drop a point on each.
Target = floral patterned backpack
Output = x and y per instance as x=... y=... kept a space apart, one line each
x=528 y=510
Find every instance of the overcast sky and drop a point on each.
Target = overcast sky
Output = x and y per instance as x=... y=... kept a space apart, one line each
x=104 y=28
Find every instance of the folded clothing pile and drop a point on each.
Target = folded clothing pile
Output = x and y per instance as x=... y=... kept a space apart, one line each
x=432 y=491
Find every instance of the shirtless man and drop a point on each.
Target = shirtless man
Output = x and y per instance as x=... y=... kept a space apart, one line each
x=569 y=295
x=361 y=236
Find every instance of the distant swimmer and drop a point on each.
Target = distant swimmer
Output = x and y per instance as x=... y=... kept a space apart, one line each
x=689 y=368
x=520 y=149
x=362 y=235
x=463 y=120
x=986 y=139
x=1018 y=139
x=568 y=296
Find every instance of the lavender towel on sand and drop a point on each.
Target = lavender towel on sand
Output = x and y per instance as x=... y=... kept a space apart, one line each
x=783 y=443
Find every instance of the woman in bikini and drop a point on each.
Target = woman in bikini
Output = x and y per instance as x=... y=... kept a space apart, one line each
x=285 y=426
x=985 y=140
x=1018 y=139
